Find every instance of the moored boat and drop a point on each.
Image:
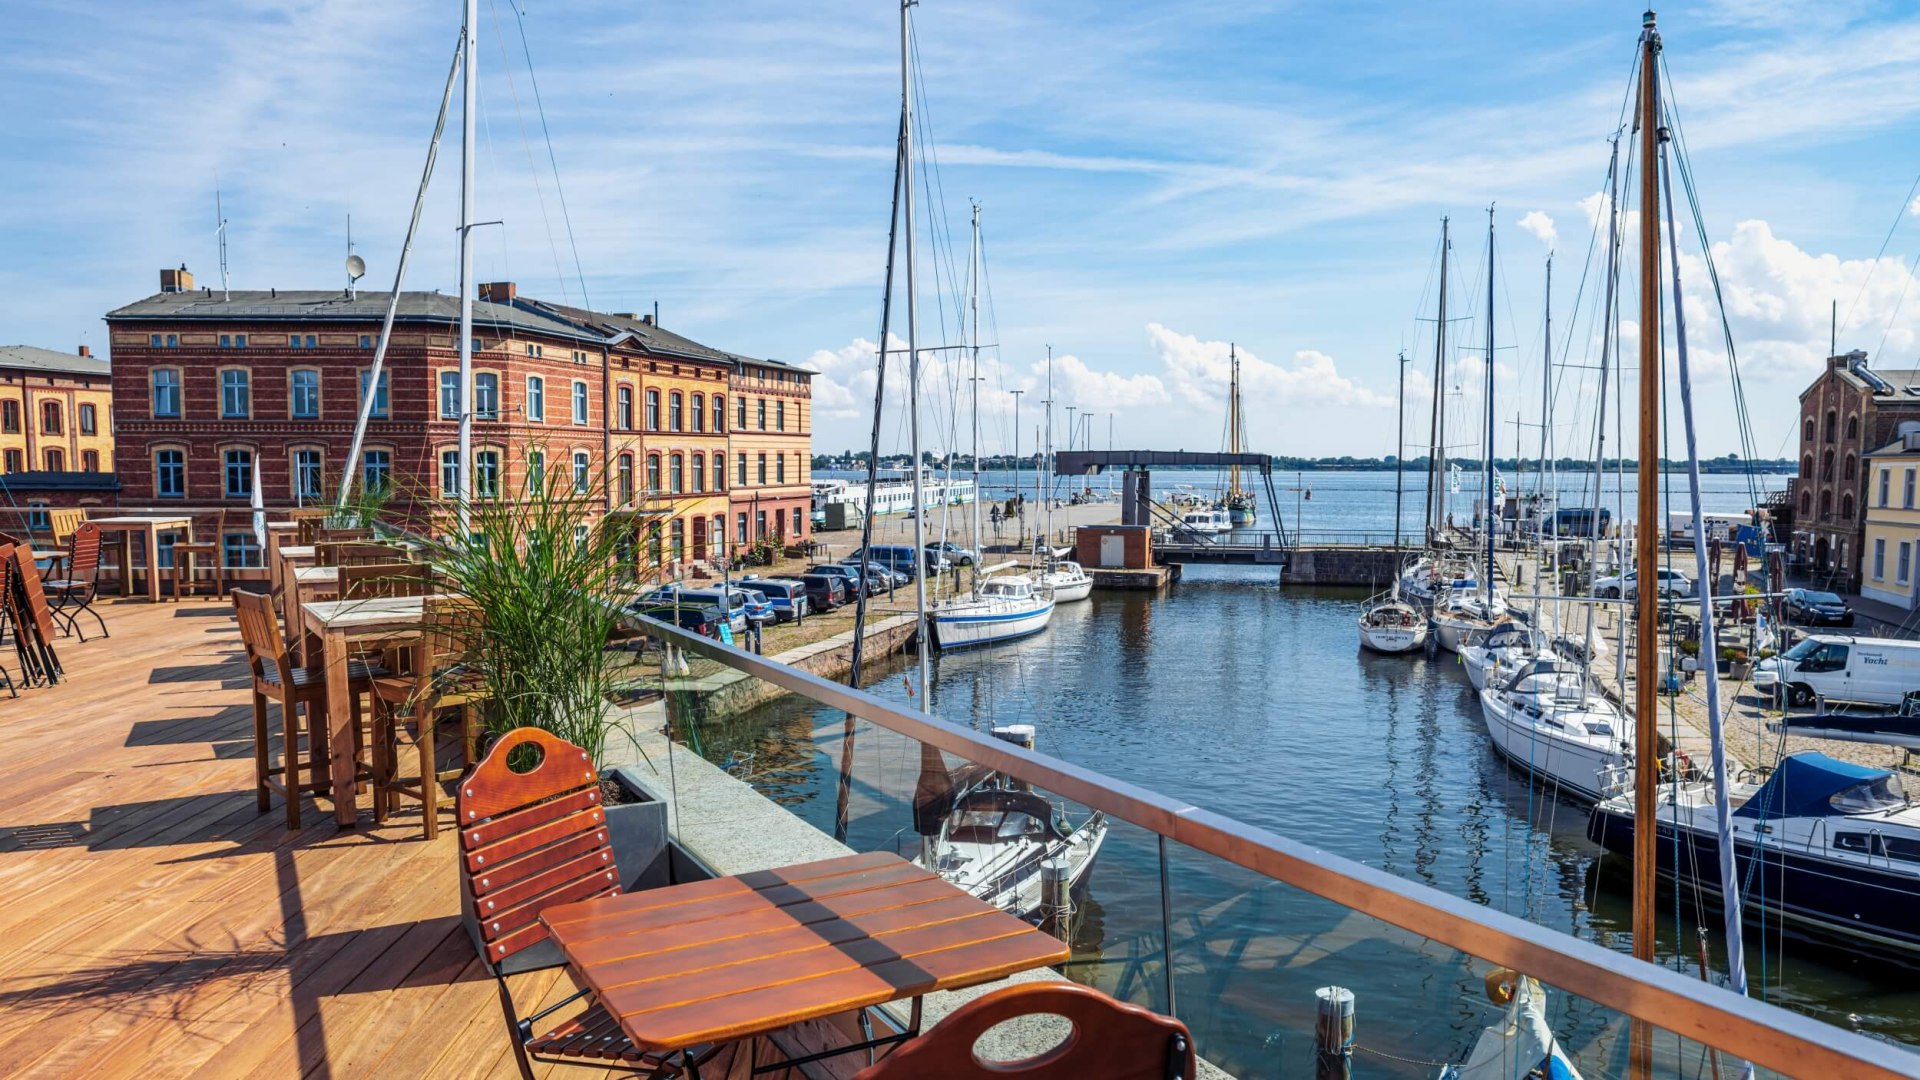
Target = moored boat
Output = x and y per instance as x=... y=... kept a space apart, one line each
x=1391 y=625
x=1067 y=582
x=1003 y=609
x=1548 y=720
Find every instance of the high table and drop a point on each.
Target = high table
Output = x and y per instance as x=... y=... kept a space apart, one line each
x=338 y=624
x=148 y=527
x=734 y=958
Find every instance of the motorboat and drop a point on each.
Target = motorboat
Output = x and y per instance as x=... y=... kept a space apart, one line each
x=1001 y=609
x=1466 y=616
x=1389 y=624
x=1067 y=582
x=1504 y=650
x=1824 y=844
x=1205 y=522
x=1548 y=719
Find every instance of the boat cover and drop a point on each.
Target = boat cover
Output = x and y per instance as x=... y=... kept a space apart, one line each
x=1803 y=783
x=1845 y=727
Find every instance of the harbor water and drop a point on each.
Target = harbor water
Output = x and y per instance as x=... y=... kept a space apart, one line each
x=1255 y=701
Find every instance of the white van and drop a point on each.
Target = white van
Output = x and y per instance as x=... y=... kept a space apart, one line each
x=1874 y=671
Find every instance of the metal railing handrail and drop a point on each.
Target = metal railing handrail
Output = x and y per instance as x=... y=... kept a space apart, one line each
x=1764 y=1034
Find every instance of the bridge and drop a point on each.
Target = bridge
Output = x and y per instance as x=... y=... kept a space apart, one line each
x=1268 y=547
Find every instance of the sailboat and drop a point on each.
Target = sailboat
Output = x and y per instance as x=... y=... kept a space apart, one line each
x=1504 y=651
x=1466 y=616
x=1238 y=502
x=1549 y=719
x=1389 y=624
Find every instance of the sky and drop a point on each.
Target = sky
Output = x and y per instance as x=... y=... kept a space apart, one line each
x=1161 y=183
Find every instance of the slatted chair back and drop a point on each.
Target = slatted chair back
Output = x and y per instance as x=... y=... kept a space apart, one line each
x=363 y=581
x=64 y=522
x=33 y=594
x=260 y=633
x=356 y=553
x=83 y=553
x=1110 y=1039
x=325 y=535
x=307 y=523
x=530 y=840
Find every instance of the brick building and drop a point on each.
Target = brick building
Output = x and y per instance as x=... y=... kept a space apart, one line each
x=56 y=411
x=1849 y=411
x=212 y=386
x=772 y=452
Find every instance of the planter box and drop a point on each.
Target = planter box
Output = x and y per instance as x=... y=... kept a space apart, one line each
x=1740 y=669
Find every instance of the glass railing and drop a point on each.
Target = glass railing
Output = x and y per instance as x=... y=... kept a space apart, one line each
x=1238 y=931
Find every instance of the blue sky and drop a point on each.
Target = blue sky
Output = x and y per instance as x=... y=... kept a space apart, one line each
x=1158 y=180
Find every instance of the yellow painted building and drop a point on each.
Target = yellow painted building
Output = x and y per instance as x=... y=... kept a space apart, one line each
x=56 y=411
x=1892 y=546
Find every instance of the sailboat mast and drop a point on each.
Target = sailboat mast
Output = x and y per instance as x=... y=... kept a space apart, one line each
x=1400 y=450
x=1437 y=427
x=974 y=301
x=1646 y=555
x=1486 y=586
x=1600 y=427
x=1046 y=461
x=913 y=361
x=1233 y=424
x=469 y=94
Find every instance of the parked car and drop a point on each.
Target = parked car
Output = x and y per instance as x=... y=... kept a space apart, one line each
x=1810 y=607
x=1673 y=583
x=740 y=608
x=848 y=576
x=902 y=558
x=880 y=580
x=953 y=553
x=788 y=596
x=826 y=591
x=699 y=619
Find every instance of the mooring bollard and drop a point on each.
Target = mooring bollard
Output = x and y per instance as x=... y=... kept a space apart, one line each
x=1333 y=1034
x=1056 y=899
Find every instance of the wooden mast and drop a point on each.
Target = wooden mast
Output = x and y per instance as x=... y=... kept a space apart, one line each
x=1646 y=555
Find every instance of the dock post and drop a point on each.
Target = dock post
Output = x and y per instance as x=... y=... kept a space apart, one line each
x=1019 y=735
x=1333 y=1034
x=1056 y=899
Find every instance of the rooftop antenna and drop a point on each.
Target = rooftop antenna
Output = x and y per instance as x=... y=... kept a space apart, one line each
x=356 y=266
x=221 y=231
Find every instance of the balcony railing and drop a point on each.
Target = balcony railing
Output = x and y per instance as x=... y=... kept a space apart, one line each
x=1229 y=925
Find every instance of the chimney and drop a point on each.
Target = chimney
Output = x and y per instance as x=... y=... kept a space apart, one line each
x=180 y=280
x=86 y=351
x=646 y=320
x=498 y=292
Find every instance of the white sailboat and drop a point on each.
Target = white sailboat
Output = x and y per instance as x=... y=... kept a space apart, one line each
x=1548 y=720
x=1389 y=624
x=1466 y=616
x=1067 y=582
x=1506 y=649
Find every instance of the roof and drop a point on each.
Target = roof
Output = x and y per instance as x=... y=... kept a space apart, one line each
x=34 y=358
x=1896 y=448
x=603 y=325
x=1801 y=785
x=310 y=305
x=1900 y=379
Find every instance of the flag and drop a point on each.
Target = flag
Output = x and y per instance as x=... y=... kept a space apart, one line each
x=1499 y=485
x=259 y=511
x=1453 y=478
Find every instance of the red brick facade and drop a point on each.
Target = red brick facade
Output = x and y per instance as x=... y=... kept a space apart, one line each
x=1844 y=416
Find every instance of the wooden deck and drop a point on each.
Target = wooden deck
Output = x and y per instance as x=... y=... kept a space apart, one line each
x=154 y=923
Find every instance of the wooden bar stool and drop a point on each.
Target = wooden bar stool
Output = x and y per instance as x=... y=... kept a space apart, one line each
x=410 y=708
x=187 y=562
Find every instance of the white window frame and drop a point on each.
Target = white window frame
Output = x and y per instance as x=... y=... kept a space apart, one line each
x=579 y=402
x=536 y=400
x=383 y=399
x=582 y=472
x=449 y=394
x=295 y=393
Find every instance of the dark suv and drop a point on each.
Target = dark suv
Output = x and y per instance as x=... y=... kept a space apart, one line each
x=849 y=577
x=825 y=592
x=1809 y=607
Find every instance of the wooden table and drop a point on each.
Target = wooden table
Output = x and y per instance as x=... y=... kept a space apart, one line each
x=148 y=527
x=732 y=958
x=337 y=624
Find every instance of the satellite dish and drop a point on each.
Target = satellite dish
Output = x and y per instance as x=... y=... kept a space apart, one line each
x=356 y=267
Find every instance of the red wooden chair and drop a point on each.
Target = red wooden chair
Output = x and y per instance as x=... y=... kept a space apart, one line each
x=530 y=840
x=33 y=628
x=1110 y=1039
x=77 y=589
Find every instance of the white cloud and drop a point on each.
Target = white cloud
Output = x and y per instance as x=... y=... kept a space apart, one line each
x=1914 y=206
x=1201 y=373
x=1540 y=225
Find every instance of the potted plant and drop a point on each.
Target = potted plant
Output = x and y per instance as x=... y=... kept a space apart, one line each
x=1737 y=660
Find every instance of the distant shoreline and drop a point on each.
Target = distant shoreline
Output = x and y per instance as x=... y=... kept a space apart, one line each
x=1779 y=469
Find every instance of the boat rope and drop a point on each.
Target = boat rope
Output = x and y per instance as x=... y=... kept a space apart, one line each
x=1354 y=1045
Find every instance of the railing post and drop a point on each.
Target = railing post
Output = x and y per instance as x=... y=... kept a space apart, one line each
x=1333 y=1034
x=1166 y=926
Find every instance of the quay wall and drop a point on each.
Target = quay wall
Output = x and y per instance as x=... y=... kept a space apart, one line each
x=1373 y=567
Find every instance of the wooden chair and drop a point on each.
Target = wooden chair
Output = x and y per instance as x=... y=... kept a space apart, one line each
x=187 y=559
x=77 y=588
x=295 y=689
x=63 y=522
x=410 y=707
x=356 y=553
x=1110 y=1039
x=308 y=520
x=324 y=535
x=530 y=840
x=33 y=628
x=362 y=581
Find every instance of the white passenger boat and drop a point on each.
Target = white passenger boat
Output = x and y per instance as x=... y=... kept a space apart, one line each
x=1548 y=720
x=1205 y=522
x=1067 y=582
x=1001 y=610
x=1389 y=624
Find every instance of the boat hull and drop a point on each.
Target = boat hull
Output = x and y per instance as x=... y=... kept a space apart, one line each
x=1071 y=591
x=970 y=631
x=1455 y=633
x=1575 y=768
x=1852 y=901
x=1392 y=639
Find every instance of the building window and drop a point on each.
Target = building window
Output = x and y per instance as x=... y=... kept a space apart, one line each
x=56 y=459
x=653 y=544
x=760 y=525
x=1826 y=466
x=380 y=401
x=50 y=417
x=450 y=395
x=1906 y=562
x=699 y=412
x=678 y=530
x=780 y=416
x=1826 y=505
x=240 y=549
x=780 y=469
x=796 y=523
x=16 y=461
x=376 y=470
x=675 y=422
x=653 y=474
x=1853 y=428
x=303 y=388
x=37 y=516
x=582 y=467
x=1886 y=484
x=720 y=476
x=536 y=471
x=308 y=473
x=719 y=415
x=653 y=410
x=153 y=341
x=486 y=396
x=10 y=417
x=89 y=461
x=1879 y=560
x=579 y=402
x=450 y=473
x=486 y=474
x=534 y=350
x=699 y=472
x=236 y=394
x=624 y=472
x=761 y=472
x=623 y=400
x=761 y=408
x=239 y=473
x=169 y=473
x=1806 y=429
x=1847 y=473
x=741 y=465
x=676 y=476
x=366 y=341
x=1906 y=494
x=740 y=420
x=536 y=399
x=166 y=393
x=1833 y=423
x=740 y=523
x=89 y=422
x=1846 y=506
